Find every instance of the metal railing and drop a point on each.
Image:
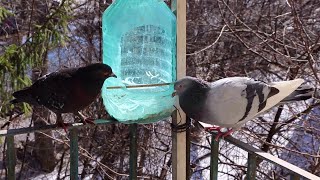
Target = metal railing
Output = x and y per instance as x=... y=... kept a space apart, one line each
x=253 y=153
x=74 y=149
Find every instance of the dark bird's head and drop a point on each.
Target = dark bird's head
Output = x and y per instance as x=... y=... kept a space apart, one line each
x=93 y=76
x=188 y=83
x=97 y=71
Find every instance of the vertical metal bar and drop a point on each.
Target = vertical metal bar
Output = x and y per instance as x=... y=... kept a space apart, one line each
x=294 y=176
x=74 y=154
x=11 y=158
x=133 y=152
x=214 y=158
x=188 y=147
x=174 y=150
x=252 y=166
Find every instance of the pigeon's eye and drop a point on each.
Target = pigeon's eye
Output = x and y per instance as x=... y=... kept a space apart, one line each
x=180 y=86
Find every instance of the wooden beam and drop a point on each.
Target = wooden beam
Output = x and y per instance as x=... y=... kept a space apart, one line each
x=181 y=38
x=179 y=139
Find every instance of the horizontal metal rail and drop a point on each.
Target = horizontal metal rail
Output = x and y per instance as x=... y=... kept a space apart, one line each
x=74 y=149
x=253 y=155
x=53 y=127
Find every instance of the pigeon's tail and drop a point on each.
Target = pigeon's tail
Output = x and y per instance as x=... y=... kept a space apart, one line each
x=286 y=89
x=303 y=92
x=23 y=95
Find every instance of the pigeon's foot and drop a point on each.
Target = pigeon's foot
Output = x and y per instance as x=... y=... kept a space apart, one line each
x=222 y=131
x=63 y=125
x=88 y=120
x=223 y=134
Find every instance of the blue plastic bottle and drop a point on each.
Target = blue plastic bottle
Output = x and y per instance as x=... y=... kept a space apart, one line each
x=139 y=43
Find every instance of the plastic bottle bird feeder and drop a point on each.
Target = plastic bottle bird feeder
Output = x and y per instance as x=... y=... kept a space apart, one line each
x=139 y=43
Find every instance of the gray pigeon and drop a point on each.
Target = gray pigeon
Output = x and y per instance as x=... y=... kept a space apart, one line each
x=231 y=102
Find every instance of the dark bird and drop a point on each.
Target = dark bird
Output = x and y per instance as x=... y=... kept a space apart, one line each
x=66 y=91
x=230 y=102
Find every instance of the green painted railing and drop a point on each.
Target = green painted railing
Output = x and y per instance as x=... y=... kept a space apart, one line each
x=133 y=152
x=253 y=153
x=74 y=149
x=74 y=153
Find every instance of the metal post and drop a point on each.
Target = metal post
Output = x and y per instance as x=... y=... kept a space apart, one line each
x=74 y=154
x=133 y=152
x=11 y=158
x=252 y=166
x=214 y=158
x=188 y=147
x=294 y=176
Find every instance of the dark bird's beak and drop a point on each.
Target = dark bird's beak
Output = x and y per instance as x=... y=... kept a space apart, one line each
x=113 y=75
x=174 y=94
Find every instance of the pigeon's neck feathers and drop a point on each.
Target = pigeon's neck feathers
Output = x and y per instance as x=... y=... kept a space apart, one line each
x=198 y=83
x=192 y=100
x=196 y=88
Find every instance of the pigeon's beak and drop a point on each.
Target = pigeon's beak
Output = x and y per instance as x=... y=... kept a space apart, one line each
x=113 y=75
x=174 y=93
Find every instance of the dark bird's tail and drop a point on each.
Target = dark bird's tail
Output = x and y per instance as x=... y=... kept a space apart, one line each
x=14 y=101
x=303 y=92
x=23 y=95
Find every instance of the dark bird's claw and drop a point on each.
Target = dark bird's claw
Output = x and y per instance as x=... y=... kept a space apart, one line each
x=63 y=125
x=85 y=119
x=88 y=120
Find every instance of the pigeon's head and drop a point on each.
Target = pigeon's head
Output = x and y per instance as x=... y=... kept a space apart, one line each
x=187 y=83
x=99 y=71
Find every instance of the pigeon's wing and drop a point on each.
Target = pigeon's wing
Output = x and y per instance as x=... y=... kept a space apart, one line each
x=52 y=90
x=285 y=88
x=233 y=101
